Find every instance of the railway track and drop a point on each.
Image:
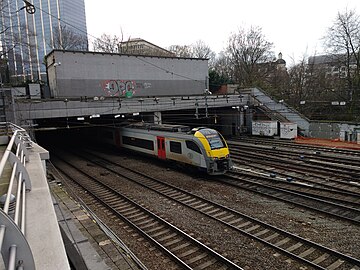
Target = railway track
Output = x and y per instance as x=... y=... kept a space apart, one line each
x=314 y=202
x=343 y=172
x=293 y=246
x=180 y=247
x=293 y=145
x=297 y=172
x=335 y=162
x=342 y=197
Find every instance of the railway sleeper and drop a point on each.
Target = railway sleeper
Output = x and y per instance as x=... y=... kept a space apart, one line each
x=173 y=242
x=307 y=252
x=335 y=264
x=136 y=215
x=130 y=212
x=261 y=232
x=120 y=205
x=141 y=217
x=206 y=208
x=252 y=228
x=213 y=211
x=321 y=258
x=188 y=252
x=158 y=228
x=227 y=217
x=197 y=258
x=220 y=214
x=243 y=224
x=199 y=206
x=233 y=222
x=282 y=242
x=294 y=247
x=166 y=231
x=190 y=200
x=147 y=220
x=153 y=223
x=206 y=264
x=270 y=237
x=125 y=207
x=180 y=196
x=167 y=237
x=184 y=245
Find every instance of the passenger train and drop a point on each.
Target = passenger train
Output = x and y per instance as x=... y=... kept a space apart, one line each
x=201 y=147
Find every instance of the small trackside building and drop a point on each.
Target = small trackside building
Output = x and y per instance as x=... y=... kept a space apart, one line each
x=94 y=74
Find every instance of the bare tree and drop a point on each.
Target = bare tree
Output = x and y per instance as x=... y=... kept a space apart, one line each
x=246 y=50
x=201 y=50
x=343 y=41
x=298 y=91
x=221 y=68
x=181 y=50
x=196 y=50
x=66 y=38
x=108 y=43
x=220 y=73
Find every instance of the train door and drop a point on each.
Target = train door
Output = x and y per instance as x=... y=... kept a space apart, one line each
x=161 y=147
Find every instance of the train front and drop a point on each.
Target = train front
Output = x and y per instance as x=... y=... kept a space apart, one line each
x=217 y=151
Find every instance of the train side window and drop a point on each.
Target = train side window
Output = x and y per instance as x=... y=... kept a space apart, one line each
x=107 y=134
x=175 y=147
x=142 y=143
x=193 y=146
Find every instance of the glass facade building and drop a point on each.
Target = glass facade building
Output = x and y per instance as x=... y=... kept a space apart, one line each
x=26 y=38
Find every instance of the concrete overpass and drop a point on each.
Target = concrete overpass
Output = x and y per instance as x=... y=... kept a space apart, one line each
x=26 y=110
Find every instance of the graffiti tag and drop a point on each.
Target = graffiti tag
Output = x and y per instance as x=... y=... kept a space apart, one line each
x=118 y=87
x=124 y=88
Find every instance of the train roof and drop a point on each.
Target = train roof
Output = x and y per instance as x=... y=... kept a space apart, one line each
x=163 y=127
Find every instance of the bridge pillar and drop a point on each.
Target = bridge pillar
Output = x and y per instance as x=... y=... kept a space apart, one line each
x=241 y=120
x=157 y=118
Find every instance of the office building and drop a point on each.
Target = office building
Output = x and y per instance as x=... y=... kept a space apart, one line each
x=30 y=30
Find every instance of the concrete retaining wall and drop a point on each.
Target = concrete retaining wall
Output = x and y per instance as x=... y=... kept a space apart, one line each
x=335 y=130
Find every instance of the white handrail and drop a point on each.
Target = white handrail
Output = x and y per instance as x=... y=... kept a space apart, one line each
x=12 y=231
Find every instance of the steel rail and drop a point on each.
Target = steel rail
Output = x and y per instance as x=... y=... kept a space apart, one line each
x=167 y=251
x=322 y=179
x=294 y=145
x=182 y=200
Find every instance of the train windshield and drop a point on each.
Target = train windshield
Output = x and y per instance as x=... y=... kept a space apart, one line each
x=213 y=137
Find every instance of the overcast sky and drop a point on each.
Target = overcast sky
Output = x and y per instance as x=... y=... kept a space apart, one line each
x=294 y=27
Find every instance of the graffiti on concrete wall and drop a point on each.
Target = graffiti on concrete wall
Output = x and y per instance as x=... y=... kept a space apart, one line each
x=264 y=128
x=126 y=88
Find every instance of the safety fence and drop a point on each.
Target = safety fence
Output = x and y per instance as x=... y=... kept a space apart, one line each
x=15 y=250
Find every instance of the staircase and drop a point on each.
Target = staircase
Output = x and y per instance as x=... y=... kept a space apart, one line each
x=277 y=110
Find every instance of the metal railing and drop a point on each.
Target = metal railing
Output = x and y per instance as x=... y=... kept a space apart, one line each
x=15 y=250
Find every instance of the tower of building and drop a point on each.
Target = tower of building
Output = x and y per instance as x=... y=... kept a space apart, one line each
x=31 y=29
